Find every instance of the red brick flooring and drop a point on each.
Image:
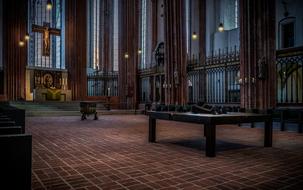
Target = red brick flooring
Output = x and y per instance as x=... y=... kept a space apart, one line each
x=113 y=153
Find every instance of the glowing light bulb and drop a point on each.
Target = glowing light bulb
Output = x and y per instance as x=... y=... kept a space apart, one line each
x=194 y=36
x=21 y=43
x=221 y=27
x=126 y=56
x=49 y=5
x=26 y=37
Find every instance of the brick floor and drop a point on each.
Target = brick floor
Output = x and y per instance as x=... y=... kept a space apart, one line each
x=113 y=153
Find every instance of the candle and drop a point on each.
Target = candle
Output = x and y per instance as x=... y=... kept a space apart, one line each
x=108 y=91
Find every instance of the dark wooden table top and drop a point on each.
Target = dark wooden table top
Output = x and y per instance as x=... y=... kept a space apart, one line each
x=229 y=118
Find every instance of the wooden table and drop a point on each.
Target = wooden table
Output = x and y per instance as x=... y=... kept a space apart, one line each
x=283 y=119
x=210 y=121
x=87 y=108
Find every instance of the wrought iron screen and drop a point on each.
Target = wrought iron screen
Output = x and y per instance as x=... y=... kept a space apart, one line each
x=290 y=76
x=102 y=84
x=216 y=81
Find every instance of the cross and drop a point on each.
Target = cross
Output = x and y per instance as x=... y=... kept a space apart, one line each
x=46 y=30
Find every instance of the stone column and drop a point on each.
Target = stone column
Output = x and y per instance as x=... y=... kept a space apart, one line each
x=129 y=41
x=14 y=57
x=202 y=45
x=257 y=54
x=76 y=44
x=175 y=52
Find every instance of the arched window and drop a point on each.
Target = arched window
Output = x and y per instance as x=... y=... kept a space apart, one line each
x=145 y=35
x=46 y=44
x=102 y=47
x=100 y=14
x=229 y=13
x=287 y=32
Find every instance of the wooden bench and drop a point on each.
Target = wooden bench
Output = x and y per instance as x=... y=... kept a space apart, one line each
x=10 y=130
x=11 y=113
x=15 y=149
x=16 y=161
x=7 y=123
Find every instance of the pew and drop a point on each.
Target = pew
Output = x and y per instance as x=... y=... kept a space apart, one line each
x=15 y=161
x=11 y=113
x=5 y=119
x=15 y=149
x=10 y=130
x=7 y=123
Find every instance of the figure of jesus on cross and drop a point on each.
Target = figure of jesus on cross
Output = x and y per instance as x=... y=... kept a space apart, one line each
x=46 y=32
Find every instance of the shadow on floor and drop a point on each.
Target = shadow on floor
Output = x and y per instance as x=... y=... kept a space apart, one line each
x=199 y=144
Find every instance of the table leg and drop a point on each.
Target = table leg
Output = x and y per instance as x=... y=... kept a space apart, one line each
x=268 y=134
x=210 y=134
x=204 y=127
x=282 y=123
x=152 y=130
x=300 y=125
x=96 y=116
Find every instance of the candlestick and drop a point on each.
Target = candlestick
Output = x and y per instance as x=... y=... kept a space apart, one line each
x=108 y=91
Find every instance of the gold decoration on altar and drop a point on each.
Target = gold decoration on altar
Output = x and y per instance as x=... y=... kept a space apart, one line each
x=53 y=94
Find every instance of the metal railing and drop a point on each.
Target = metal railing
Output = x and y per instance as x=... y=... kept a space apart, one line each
x=290 y=76
x=102 y=84
x=215 y=79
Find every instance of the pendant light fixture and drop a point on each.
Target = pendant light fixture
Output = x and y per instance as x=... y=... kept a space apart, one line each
x=26 y=37
x=194 y=36
x=126 y=56
x=21 y=43
x=221 y=27
x=49 y=5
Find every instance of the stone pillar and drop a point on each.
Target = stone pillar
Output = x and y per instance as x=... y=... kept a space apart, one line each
x=129 y=43
x=14 y=57
x=202 y=46
x=175 y=52
x=257 y=54
x=75 y=44
x=154 y=7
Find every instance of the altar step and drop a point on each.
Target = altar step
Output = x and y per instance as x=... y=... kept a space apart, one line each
x=77 y=113
x=36 y=109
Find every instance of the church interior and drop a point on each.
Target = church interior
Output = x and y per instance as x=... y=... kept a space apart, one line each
x=151 y=94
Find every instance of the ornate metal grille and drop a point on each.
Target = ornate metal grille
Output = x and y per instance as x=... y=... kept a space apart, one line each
x=216 y=80
x=102 y=84
x=290 y=76
x=151 y=78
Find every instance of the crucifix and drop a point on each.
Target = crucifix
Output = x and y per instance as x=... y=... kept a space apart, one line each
x=46 y=31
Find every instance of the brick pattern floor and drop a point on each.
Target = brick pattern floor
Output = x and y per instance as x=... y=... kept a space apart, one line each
x=113 y=153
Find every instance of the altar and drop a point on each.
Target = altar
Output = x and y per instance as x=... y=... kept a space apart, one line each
x=47 y=85
x=42 y=94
